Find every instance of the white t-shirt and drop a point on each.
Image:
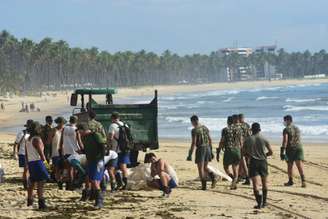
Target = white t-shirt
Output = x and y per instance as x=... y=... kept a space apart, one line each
x=55 y=143
x=70 y=144
x=112 y=155
x=115 y=128
x=21 y=140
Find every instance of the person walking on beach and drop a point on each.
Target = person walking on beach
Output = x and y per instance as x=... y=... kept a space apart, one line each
x=257 y=149
x=231 y=142
x=116 y=137
x=201 y=140
x=46 y=131
x=94 y=148
x=20 y=142
x=292 y=150
x=94 y=125
x=55 y=137
x=37 y=165
x=70 y=144
x=246 y=131
x=160 y=168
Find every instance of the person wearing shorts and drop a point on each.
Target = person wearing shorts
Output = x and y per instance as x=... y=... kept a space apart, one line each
x=111 y=162
x=257 y=149
x=201 y=140
x=37 y=164
x=160 y=168
x=292 y=150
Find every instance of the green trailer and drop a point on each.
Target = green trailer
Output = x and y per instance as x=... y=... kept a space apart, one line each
x=141 y=118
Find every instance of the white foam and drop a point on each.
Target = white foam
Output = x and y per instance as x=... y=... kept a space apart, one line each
x=302 y=100
x=266 y=98
x=291 y=108
x=228 y=100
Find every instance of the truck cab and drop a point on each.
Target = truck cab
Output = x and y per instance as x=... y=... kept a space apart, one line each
x=141 y=118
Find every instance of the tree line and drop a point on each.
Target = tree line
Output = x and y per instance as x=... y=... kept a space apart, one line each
x=54 y=65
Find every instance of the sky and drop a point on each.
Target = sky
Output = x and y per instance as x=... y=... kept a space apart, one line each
x=182 y=26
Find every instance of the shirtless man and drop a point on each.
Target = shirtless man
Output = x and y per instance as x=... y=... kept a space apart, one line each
x=160 y=168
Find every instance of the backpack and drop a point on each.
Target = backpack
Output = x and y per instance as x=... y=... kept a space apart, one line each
x=125 y=139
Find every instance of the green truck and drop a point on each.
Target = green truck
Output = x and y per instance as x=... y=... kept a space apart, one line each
x=141 y=118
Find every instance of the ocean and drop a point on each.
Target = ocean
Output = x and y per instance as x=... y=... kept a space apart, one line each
x=308 y=104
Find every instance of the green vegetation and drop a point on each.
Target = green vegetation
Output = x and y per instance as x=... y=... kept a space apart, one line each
x=27 y=65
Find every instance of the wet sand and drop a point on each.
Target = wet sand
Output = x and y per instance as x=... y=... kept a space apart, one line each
x=187 y=201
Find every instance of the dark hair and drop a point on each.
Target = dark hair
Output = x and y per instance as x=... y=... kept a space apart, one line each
x=194 y=118
x=288 y=118
x=60 y=120
x=235 y=118
x=73 y=119
x=256 y=128
x=241 y=116
x=115 y=115
x=148 y=156
x=34 y=129
x=92 y=114
x=49 y=119
x=229 y=120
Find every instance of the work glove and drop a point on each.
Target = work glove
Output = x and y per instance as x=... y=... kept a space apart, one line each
x=218 y=150
x=189 y=158
x=282 y=153
x=47 y=165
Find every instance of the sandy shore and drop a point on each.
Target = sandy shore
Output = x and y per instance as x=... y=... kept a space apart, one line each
x=187 y=201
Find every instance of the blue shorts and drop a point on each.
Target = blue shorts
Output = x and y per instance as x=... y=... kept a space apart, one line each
x=21 y=160
x=38 y=171
x=124 y=158
x=95 y=170
x=56 y=161
x=172 y=184
x=112 y=163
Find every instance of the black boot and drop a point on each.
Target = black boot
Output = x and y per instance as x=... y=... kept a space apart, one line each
x=213 y=179
x=264 y=194
x=60 y=185
x=30 y=202
x=204 y=185
x=42 y=204
x=99 y=203
x=92 y=195
x=258 y=199
x=113 y=186
x=118 y=180
x=125 y=183
x=247 y=182
x=85 y=195
x=290 y=182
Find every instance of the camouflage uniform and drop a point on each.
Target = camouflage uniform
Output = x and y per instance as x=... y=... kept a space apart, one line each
x=294 y=149
x=231 y=137
x=96 y=126
x=203 y=147
x=245 y=130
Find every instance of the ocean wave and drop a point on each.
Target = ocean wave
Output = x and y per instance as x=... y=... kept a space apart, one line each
x=228 y=100
x=302 y=100
x=291 y=108
x=270 y=125
x=266 y=98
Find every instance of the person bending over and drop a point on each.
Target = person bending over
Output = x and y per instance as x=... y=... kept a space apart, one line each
x=160 y=168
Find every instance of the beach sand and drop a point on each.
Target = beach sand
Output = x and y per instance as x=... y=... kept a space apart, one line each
x=187 y=201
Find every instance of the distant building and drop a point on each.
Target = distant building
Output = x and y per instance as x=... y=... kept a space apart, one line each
x=266 y=71
x=242 y=72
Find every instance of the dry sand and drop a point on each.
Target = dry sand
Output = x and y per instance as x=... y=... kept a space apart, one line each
x=187 y=201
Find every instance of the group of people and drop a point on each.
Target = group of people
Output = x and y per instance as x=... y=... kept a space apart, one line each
x=81 y=156
x=245 y=153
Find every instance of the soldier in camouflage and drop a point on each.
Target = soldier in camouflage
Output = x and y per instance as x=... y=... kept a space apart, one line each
x=292 y=150
x=231 y=142
x=246 y=132
x=94 y=125
x=201 y=140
